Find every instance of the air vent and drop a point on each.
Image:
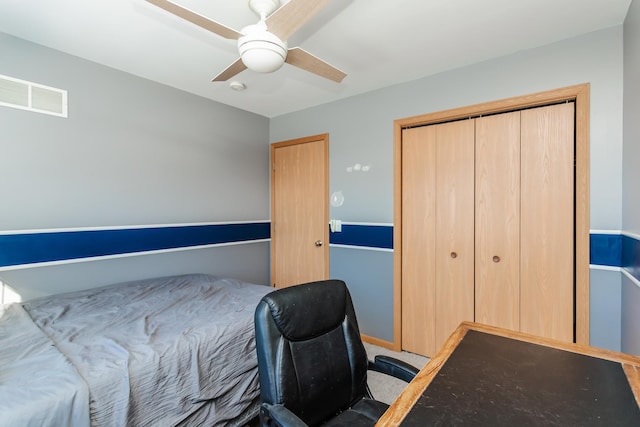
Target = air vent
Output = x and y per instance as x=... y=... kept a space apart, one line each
x=30 y=96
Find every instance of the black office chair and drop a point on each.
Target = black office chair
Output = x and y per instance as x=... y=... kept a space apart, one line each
x=311 y=361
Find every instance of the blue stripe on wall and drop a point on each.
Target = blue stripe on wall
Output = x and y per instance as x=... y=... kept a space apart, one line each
x=613 y=250
x=372 y=236
x=631 y=256
x=630 y=251
x=605 y=249
x=30 y=248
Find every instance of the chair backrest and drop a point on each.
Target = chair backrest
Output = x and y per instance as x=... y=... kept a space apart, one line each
x=310 y=356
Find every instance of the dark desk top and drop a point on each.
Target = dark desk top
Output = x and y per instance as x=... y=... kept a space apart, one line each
x=491 y=377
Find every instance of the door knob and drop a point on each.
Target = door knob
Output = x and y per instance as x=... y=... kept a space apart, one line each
x=454 y=255
x=496 y=258
x=318 y=243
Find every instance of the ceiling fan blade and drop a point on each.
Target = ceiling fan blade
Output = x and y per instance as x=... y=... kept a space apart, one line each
x=196 y=18
x=289 y=18
x=303 y=59
x=230 y=71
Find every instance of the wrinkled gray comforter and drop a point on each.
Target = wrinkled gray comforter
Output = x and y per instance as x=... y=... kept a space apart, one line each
x=38 y=385
x=154 y=351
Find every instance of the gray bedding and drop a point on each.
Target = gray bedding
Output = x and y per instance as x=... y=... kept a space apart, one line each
x=154 y=352
x=38 y=385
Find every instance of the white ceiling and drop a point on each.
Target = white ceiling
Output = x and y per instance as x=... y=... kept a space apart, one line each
x=376 y=42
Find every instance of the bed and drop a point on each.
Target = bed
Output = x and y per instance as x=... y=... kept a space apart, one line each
x=168 y=351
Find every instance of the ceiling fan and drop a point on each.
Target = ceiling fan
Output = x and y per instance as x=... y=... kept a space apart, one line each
x=263 y=46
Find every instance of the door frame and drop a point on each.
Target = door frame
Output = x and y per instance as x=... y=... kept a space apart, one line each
x=324 y=139
x=578 y=94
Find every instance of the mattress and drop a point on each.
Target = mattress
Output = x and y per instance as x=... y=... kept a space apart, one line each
x=154 y=352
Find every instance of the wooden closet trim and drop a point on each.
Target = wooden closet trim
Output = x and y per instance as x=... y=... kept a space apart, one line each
x=580 y=95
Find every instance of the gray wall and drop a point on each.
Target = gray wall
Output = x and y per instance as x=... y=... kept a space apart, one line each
x=361 y=131
x=605 y=299
x=631 y=179
x=249 y=262
x=131 y=152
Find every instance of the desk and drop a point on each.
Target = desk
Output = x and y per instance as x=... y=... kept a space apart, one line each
x=491 y=376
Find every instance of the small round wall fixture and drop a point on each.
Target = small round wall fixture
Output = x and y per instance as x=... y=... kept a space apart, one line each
x=237 y=86
x=337 y=199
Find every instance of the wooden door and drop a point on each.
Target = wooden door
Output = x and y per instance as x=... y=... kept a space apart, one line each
x=418 y=240
x=497 y=264
x=437 y=233
x=299 y=211
x=547 y=222
x=454 y=227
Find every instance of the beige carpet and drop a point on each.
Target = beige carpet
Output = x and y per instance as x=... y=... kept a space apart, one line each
x=386 y=388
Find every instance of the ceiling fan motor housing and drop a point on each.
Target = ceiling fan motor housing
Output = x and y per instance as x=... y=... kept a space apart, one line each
x=260 y=50
x=264 y=8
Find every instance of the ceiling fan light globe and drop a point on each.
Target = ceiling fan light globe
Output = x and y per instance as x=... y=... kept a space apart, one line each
x=262 y=51
x=262 y=59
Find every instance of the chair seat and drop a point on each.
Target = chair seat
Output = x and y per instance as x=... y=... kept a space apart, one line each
x=364 y=413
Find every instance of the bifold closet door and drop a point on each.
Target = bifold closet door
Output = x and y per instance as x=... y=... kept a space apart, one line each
x=454 y=227
x=488 y=228
x=547 y=222
x=497 y=203
x=418 y=239
x=437 y=233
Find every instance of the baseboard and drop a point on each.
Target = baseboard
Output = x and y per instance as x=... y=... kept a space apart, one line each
x=380 y=343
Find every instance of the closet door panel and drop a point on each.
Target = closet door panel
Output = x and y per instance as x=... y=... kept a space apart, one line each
x=454 y=226
x=547 y=256
x=418 y=239
x=497 y=205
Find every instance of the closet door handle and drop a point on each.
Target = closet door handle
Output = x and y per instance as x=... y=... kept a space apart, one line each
x=318 y=243
x=496 y=258
x=454 y=255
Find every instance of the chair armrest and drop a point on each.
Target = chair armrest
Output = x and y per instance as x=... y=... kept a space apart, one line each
x=278 y=415
x=394 y=367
